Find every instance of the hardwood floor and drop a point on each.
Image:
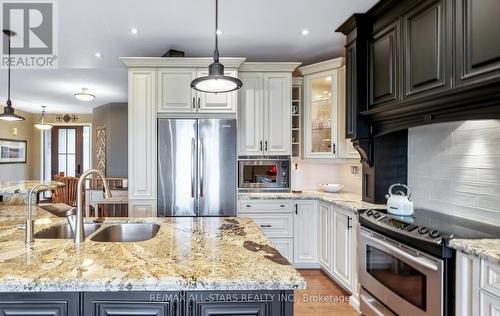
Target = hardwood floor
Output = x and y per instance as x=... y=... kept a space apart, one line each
x=322 y=297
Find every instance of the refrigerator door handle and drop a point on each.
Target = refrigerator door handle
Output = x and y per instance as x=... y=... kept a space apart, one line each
x=193 y=171
x=200 y=164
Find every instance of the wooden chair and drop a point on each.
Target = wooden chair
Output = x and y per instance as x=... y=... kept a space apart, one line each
x=64 y=198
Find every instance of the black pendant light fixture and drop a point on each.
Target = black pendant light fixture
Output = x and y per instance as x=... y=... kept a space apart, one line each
x=8 y=111
x=216 y=81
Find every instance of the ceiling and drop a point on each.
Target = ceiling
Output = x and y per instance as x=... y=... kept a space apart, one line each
x=261 y=30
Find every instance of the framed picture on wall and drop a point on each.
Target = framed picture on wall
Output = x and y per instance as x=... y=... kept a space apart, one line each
x=12 y=151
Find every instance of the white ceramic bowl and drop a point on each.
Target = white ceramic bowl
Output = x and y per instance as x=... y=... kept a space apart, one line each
x=331 y=187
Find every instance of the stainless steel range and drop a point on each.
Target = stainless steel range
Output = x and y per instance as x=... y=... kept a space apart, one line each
x=406 y=266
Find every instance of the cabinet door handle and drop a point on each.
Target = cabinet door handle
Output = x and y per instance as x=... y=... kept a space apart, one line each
x=266 y=226
x=248 y=205
x=265 y=145
x=334 y=148
x=296 y=209
x=349 y=226
x=260 y=146
x=282 y=205
x=194 y=103
x=199 y=102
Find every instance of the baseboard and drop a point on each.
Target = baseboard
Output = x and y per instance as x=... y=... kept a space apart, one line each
x=306 y=265
x=354 y=301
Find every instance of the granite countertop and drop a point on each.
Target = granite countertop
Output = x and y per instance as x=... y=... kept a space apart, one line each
x=24 y=187
x=186 y=254
x=345 y=200
x=487 y=249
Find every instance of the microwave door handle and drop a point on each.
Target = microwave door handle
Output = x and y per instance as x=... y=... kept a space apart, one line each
x=417 y=260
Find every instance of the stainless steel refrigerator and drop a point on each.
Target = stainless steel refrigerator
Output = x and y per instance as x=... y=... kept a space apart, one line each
x=196 y=167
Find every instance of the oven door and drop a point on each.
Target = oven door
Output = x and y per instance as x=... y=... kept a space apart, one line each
x=261 y=174
x=402 y=278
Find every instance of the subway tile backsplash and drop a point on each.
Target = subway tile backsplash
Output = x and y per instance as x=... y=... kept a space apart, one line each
x=455 y=168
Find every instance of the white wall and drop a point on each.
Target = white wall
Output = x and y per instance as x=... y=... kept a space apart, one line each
x=315 y=173
x=455 y=168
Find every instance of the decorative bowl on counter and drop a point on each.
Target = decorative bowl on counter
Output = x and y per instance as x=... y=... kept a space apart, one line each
x=331 y=187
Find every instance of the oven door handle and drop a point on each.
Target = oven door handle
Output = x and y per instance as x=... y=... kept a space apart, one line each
x=428 y=264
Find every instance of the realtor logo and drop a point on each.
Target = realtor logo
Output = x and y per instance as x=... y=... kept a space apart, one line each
x=35 y=45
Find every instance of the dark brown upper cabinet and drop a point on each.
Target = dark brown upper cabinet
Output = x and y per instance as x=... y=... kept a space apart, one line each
x=384 y=60
x=424 y=49
x=477 y=44
x=351 y=93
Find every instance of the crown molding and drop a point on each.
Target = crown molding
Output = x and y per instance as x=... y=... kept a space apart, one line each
x=322 y=66
x=269 y=66
x=179 y=62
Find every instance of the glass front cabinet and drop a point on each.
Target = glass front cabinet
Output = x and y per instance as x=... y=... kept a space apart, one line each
x=323 y=99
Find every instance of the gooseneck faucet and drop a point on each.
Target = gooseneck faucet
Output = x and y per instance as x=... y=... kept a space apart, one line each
x=30 y=237
x=79 y=231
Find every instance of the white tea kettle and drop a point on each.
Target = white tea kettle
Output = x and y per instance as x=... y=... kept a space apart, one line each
x=399 y=203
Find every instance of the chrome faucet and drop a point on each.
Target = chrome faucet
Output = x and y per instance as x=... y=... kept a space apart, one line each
x=30 y=237
x=79 y=231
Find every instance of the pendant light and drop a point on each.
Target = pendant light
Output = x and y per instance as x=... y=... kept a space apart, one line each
x=216 y=81
x=8 y=111
x=84 y=95
x=41 y=122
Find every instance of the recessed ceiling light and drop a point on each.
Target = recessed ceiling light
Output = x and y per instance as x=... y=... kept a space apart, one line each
x=84 y=95
x=134 y=31
x=305 y=32
x=219 y=32
x=98 y=55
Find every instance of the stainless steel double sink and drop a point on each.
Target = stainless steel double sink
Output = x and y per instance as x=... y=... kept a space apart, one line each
x=126 y=232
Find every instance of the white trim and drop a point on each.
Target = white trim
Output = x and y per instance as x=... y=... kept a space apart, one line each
x=322 y=66
x=269 y=66
x=297 y=81
x=173 y=62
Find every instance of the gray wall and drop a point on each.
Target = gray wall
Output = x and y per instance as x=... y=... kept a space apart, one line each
x=114 y=117
x=455 y=168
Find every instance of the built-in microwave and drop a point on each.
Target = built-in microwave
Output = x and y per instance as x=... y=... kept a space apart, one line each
x=264 y=174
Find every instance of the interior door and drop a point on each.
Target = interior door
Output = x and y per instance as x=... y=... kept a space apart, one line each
x=67 y=151
x=177 y=160
x=217 y=167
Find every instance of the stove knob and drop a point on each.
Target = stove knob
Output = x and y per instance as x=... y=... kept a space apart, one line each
x=423 y=230
x=376 y=215
x=434 y=234
x=369 y=212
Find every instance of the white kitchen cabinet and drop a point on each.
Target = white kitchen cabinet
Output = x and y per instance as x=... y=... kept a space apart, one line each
x=264 y=111
x=217 y=102
x=477 y=286
x=326 y=236
x=142 y=136
x=284 y=246
x=175 y=94
x=277 y=113
x=324 y=111
x=142 y=208
x=250 y=115
x=305 y=250
x=343 y=247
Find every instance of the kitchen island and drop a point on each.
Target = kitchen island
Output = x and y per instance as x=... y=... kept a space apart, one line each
x=193 y=266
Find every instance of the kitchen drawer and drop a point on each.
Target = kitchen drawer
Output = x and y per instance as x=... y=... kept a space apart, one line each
x=284 y=246
x=490 y=277
x=273 y=225
x=489 y=304
x=266 y=206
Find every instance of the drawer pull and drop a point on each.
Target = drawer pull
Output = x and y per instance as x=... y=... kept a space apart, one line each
x=282 y=205
x=248 y=205
x=266 y=226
